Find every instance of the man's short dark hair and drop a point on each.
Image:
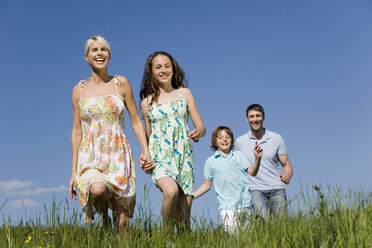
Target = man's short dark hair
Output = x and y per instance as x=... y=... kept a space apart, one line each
x=256 y=107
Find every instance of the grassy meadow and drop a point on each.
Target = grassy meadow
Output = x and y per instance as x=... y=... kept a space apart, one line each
x=328 y=218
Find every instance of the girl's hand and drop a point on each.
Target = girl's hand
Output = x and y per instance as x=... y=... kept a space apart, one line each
x=146 y=163
x=72 y=187
x=257 y=151
x=195 y=135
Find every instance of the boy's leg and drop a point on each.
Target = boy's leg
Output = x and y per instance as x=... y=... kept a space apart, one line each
x=260 y=203
x=228 y=220
x=246 y=217
x=278 y=201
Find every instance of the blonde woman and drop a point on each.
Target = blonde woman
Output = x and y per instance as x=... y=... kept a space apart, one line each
x=102 y=162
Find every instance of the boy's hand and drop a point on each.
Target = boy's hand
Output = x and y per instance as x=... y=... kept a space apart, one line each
x=257 y=151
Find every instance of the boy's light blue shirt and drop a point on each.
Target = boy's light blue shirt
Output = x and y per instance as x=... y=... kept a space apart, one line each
x=230 y=179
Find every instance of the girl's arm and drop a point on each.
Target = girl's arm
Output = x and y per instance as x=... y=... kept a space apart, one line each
x=253 y=169
x=76 y=136
x=135 y=120
x=199 y=130
x=144 y=107
x=204 y=188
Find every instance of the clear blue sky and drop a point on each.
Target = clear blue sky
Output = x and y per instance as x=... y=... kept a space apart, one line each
x=307 y=62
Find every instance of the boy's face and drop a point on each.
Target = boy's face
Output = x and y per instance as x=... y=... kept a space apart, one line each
x=223 y=142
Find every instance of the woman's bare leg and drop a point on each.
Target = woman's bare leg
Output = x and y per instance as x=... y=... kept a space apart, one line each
x=100 y=198
x=121 y=218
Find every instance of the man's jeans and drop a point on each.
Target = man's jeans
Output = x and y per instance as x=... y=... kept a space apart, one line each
x=267 y=202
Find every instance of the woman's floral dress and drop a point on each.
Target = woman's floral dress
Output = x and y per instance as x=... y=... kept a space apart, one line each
x=104 y=153
x=169 y=145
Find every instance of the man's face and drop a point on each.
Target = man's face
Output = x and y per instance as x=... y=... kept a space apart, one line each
x=255 y=119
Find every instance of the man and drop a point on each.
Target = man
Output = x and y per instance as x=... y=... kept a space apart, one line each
x=268 y=186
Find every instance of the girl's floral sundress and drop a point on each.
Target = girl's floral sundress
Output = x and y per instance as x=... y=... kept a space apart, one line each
x=169 y=145
x=104 y=153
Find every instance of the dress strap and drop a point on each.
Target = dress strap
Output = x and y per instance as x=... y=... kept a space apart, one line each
x=181 y=92
x=83 y=82
x=149 y=102
x=117 y=83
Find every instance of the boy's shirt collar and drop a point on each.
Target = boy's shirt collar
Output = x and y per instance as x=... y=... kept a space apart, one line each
x=217 y=154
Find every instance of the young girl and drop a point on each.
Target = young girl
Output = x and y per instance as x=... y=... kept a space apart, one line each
x=102 y=161
x=166 y=105
x=228 y=170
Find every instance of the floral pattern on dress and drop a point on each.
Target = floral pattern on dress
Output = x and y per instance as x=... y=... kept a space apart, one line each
x=104 y=153
x=169 y=145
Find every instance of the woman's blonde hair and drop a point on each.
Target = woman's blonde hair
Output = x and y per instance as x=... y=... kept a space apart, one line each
x=98 y=39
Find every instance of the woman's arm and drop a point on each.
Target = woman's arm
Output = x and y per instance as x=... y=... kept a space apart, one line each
x=199 y=130
x=137 y=126
x=204 y=188
x=76 y=136
x=253 y=169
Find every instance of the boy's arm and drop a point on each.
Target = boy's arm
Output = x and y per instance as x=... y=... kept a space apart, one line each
x=253 y=169
x=204 y=188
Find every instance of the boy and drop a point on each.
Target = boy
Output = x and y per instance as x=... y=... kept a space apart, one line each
x=228 y=170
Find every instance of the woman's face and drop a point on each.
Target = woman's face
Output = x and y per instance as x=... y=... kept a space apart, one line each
x=162 y=69
x=98 y=56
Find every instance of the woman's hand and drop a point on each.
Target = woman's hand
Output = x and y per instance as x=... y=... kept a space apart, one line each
x=72 y=187
x=195 y=135
x=146 y=163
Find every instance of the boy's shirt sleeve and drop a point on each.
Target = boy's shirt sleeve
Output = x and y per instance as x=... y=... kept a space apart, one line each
x=244 y=162
x=208 y=171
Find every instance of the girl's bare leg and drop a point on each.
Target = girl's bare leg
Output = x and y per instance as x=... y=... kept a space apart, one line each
x=184 y=211
x=169 y=187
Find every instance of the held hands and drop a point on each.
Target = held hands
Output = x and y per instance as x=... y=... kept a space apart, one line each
x=72 y=187
x=146 y=163
x=257 y=151
x=195 y=135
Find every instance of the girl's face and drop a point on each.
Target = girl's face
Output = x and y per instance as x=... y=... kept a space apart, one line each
x=98 y=56
x=223 y=142
x=162 y=69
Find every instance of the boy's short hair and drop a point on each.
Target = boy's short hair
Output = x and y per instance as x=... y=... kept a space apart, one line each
x=256 y=107
x=215 y=134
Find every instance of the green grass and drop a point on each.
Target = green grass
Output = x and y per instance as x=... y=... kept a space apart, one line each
x=326 y=219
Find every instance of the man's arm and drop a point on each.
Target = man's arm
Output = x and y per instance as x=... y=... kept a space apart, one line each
x=287 y=168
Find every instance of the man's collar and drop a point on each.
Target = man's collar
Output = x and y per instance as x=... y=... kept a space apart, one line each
x=265 y=137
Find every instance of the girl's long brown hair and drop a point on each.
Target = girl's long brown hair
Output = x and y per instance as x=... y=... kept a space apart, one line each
x=150 y=87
